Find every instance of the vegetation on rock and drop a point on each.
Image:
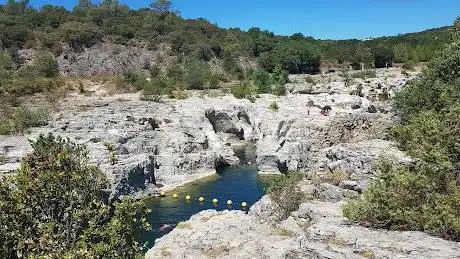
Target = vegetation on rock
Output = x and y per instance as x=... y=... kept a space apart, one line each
x=285 y=192
x=426 y=195
x=56 y=207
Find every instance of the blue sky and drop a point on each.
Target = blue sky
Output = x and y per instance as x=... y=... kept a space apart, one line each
x=324 y=19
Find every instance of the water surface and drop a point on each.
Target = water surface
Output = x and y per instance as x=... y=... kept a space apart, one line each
x=239 y=184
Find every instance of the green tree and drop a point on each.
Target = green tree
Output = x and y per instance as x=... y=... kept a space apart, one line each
x=79 y=34
x=383 y=57
x=401 y=53
x=163 y=6
x=57 y=207
x=294 y=56
x=262 y=81
x=46 y=65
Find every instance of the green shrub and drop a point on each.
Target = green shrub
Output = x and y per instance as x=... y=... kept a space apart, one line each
x=56 y=207
x=383 y=57
x=273 y=106
x=26 y=118
x=293 y=56
x=310 y=80
x=157 y=86
x=432 y=137
x=284 y=191
x=214 y=81
x=230 y=65
x=46 y=65
x=243 y=89
x=5 y=127
x=336 y=177
x=280 y=76
x=197 y=75
x=262 y=81
x=279 y=90
x=79 y=34
x=17 y=121
x=138 y=80
x=409 y=65
x=423 y=198
x=365 y=74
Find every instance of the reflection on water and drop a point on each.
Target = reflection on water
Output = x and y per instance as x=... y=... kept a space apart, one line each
x=237 y=184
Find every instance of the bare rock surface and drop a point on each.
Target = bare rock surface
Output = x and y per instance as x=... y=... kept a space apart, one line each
x=163 y=145
x=316 y=230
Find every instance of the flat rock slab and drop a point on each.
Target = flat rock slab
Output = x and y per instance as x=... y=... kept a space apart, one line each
x=316 y=230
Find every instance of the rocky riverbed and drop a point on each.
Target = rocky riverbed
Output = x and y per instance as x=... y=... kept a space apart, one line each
x=163 y=145
x=326 y=125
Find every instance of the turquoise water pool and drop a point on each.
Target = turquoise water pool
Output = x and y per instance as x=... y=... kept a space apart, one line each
x=239 y=184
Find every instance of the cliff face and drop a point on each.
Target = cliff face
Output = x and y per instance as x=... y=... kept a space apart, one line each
x=110 y=59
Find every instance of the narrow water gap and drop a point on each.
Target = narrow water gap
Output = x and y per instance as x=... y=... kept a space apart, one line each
x=239 y=184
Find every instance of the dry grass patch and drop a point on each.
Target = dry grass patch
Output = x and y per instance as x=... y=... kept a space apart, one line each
x=336 y=177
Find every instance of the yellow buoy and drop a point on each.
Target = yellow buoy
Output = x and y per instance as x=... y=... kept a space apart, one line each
x=187 y=197
x=162 y=194
x=214 y=201
x=244 y=204
x=175 y=195
x=229 y=202
x=201 y=199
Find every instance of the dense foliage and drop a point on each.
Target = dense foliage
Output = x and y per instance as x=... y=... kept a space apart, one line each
x=426 y=195
x=89 y=23
x=56 y=207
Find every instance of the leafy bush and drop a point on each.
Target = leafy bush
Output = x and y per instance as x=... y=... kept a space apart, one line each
x=56 y=207
x=138 y=80
x=197 y=75
x=157 y=86
x=46 y=65
x=433 y=137
x=5 y=127
x=280 y=76
x=383 y=57
x=426 y=195
x=273 y=106
x=23 y=118
x=279 y=90
x=364 y=74
x=243 y=90
x=284 y=191
x=336 y=177
x=262 y=81
x=409 y=65
x=423 y=198
x=310 y=80
x=79 y=34
x=293 y=56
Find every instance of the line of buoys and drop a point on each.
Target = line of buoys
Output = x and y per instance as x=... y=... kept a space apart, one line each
x=202 y=199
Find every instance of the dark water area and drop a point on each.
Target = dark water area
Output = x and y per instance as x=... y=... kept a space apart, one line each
x=239 y=184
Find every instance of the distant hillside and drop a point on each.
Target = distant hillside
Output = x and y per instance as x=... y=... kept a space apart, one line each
x=111 y=39
x=88 y=24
